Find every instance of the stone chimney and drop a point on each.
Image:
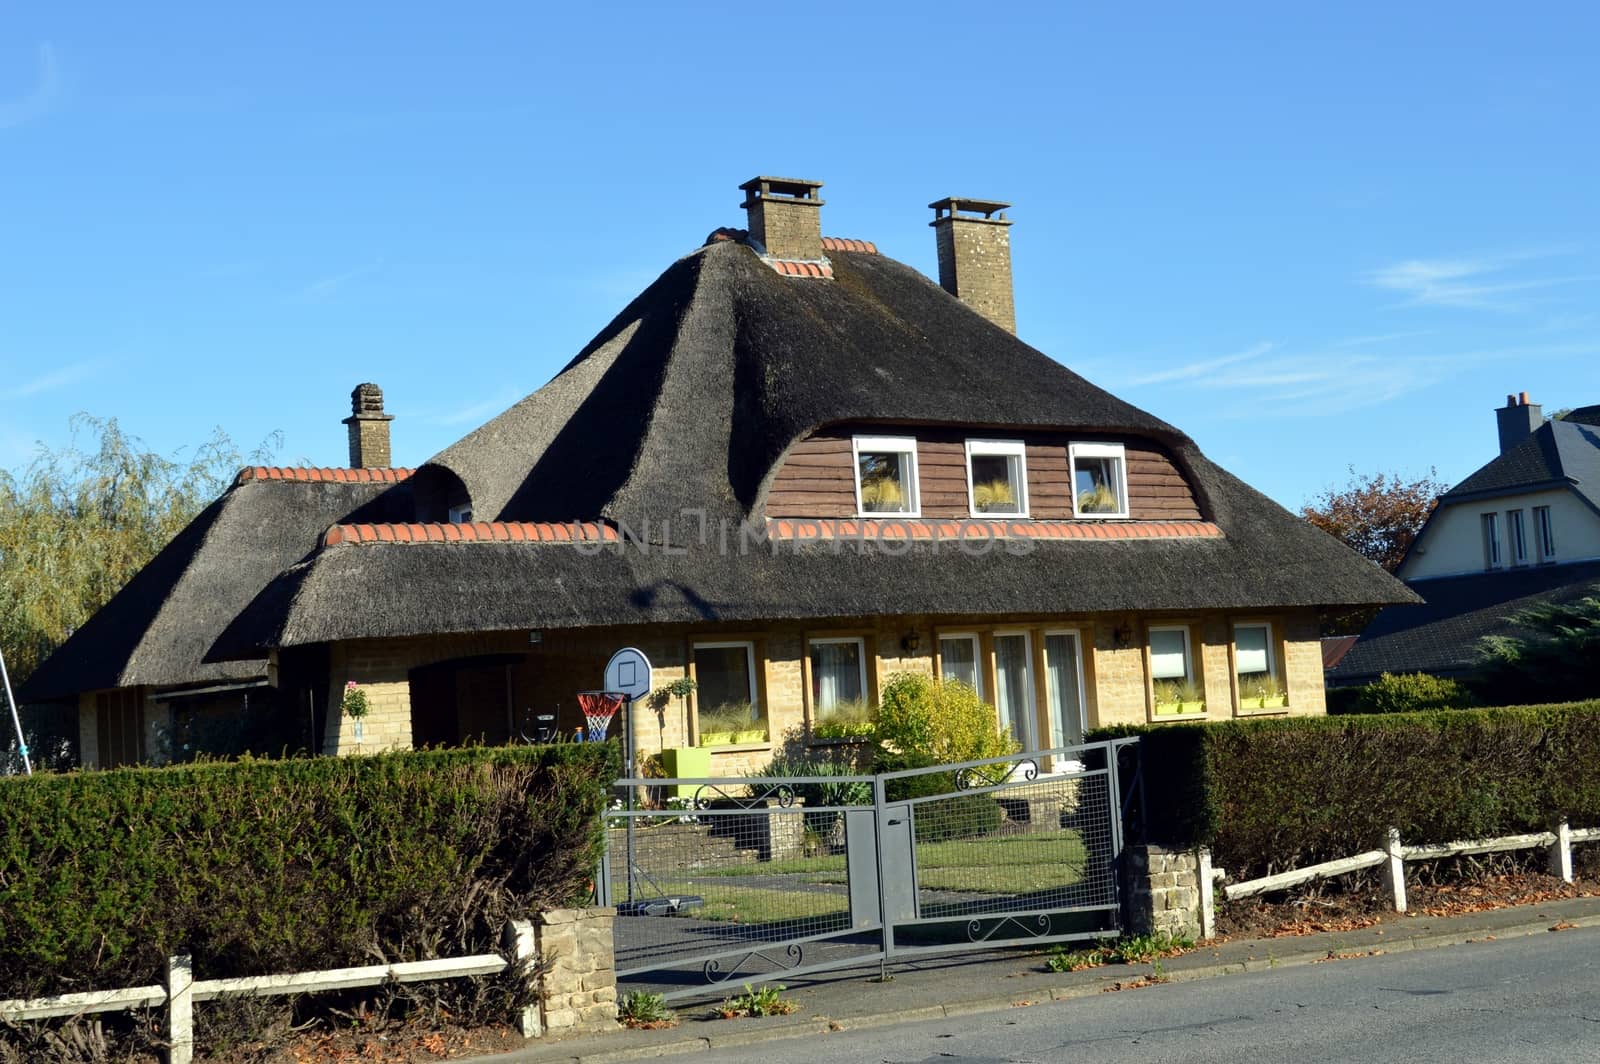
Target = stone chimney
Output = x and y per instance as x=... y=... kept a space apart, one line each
x=785 y=216
x=1518 y=420
x=369 y=428
x=975 y=256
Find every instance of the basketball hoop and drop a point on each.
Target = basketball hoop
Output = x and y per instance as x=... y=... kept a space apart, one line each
x=598 y=709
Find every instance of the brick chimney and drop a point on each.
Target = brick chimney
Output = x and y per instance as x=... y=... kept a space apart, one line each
x=1518 y=420
x=369 y=428
x=975 y=256
x=785 y=216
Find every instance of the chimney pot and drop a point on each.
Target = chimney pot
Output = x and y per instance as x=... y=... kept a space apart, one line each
x=1524 y=398
x=369 y=428
x=785 y=216
x=974 y=239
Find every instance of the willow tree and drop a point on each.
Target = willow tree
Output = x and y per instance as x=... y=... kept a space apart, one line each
x=77 y=523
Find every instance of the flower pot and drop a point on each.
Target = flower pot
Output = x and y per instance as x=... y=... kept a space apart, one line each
x=1174 y=709
x=716 y=738
x=1275 y=702
x=751 y=735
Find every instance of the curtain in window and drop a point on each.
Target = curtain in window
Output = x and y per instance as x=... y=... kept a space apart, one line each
x=958 y=660
x=1061 y=682
x=1167 y=658
x=835 y=675
x=1013 y=685
x=1250 y=648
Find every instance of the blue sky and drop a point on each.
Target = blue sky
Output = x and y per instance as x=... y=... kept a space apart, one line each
x=1311 y=239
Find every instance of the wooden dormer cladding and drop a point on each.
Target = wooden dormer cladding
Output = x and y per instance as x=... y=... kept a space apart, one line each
x=816 y=478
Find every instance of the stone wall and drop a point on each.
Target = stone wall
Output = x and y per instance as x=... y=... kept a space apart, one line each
x=1164 y=891
x=577 y=969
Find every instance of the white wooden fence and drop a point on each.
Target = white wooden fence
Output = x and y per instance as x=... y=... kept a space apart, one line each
x=181 y=990
x=1394 y=855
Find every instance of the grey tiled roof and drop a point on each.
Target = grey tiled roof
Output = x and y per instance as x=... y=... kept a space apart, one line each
x=1441 y=636
x=1559 y=451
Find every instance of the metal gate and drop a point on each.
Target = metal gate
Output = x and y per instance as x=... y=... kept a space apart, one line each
x=767 y=878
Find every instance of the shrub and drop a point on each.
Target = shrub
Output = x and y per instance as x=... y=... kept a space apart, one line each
x=256 y=867
x=1269 y=795
x=944 y=720
x=1409 y=692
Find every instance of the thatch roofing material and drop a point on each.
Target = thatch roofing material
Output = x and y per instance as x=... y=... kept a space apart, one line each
x=159 y=628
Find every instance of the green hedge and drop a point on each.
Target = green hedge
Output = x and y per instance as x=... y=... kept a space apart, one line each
x=1270 y=795
x=293 y=865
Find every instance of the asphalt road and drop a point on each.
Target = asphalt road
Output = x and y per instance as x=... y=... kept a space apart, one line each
x=1524 y=999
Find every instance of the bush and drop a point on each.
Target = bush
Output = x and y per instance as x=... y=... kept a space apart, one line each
x=1269 y=795
x=944 y=720
x=256 y=867
x=1410 y=692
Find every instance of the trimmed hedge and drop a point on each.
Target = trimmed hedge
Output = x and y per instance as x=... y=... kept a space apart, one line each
x=1270 y=795
x=257 y=867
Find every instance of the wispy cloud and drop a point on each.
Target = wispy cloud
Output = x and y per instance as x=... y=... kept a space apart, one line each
x=39 y=100
x=325 y=288
x=476 y=412
x=49 y=382
x=1202 y=368
x=1382 y=338
x=1482 y=283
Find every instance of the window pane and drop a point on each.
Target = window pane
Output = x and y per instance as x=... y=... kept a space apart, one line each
x=885 y=482
x=1014 y=686
x=835 y=675
x=1061 y=679
x=996 y=484
x=722 y=680
x=1098 y=485
x=958 y=660
x=1167 y=658
x=1250 y=649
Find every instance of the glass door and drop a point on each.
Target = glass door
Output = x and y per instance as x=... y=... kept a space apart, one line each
x=1013 y=681
x=1063 y=681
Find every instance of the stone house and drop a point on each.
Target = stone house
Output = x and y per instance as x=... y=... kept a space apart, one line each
x=789 y=468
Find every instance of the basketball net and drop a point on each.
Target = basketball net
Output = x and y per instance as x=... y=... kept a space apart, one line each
x=598 y=709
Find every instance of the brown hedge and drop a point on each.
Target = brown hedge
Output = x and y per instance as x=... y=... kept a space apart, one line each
x=256 y=867
x=1270 y=795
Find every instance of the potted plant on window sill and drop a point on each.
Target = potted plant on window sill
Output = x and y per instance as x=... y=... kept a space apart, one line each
x=730 y=726
x=1179 y=699
x=1263 y=694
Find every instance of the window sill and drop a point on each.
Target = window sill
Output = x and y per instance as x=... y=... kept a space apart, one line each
x=1169 y=718
x=740 y=748
x=1269 y=711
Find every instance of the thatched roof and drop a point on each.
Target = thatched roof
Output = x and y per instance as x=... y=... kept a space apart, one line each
x=688 y=399
x=1264 y=559
x=158 y=629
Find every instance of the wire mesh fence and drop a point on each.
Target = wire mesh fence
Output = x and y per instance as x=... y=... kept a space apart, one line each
x=757 y=878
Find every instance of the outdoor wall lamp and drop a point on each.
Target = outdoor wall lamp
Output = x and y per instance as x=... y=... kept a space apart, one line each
x=1122 y=636
x=910 y=642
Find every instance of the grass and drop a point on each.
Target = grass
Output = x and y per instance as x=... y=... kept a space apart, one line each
x=1011 y=864
x=1132 y=949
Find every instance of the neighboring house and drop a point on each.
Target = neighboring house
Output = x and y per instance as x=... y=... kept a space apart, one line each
x=1523 y=530
x=789 y=468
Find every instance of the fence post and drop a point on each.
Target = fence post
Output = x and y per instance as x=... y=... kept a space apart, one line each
x=1561 y=852
x=1397 y=869
x=180 y=1010
x=519 y=941
x=1208 y=895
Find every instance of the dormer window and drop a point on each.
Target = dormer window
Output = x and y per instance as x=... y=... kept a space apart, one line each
x=461 y=515
x=1099 y=480
x=997 y=477
x=886 y=475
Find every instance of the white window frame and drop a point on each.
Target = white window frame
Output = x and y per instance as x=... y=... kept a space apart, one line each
x=999 y=449
x=1545 y=531
x=1272 y=656
x=861 y=663
x=756 y=712
x=893 y=444
x=1098 y=450
x=1517 y=537
x=1083 y=701
x=1032 y=689
x=1490 y=524
x=977 y=656
x=460 y=514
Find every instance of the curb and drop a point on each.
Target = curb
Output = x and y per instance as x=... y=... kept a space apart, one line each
x=814 y=1025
